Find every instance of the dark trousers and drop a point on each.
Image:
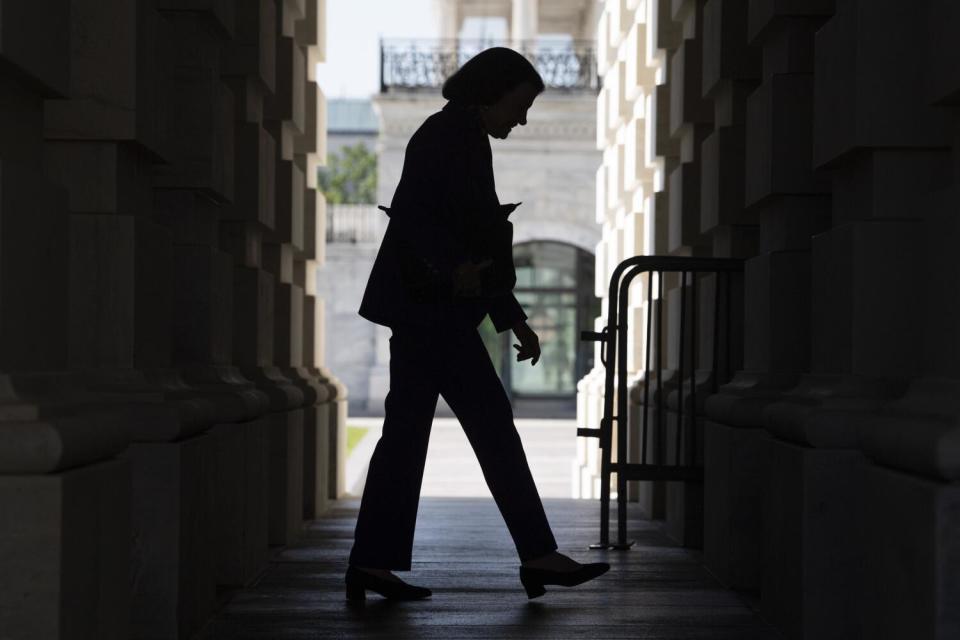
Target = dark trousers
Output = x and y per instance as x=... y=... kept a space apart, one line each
x=455 y=364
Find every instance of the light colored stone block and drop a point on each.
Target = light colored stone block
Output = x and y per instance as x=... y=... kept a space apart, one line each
x=287 y=102
x=722 y=179
x=201 y=129
x=65 y=552
x=46 y=60
x=33 y=264
x=853 y=108
x=777 y=284
x=254 y=175
x=241 y=502
x=253 y=308
x=726 y=54
x=222 y=11
x=734 y=485
x=203 y=285
x=289 y=205
x=856 y=267
x=101 y=276
x=813 y=552
x=779 y=133
x=909 y=584
x=118 y=90
x=288 y=325
x=174 y=562
x=684 y=220
x=789 y=223
x=687 y=104
x=286 y=476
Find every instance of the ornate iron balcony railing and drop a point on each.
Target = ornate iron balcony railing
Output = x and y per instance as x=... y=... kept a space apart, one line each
x=411 y=65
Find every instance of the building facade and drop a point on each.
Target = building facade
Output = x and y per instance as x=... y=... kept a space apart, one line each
x=351 y=122
x=165 y=413
x=548 y=165
x=816 y=143
x=353 y=233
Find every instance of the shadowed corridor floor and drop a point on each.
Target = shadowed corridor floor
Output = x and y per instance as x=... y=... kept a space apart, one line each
x=463 y=552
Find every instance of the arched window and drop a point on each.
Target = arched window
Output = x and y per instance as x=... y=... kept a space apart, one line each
x=555 y=287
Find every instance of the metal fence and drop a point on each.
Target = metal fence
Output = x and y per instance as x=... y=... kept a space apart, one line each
x=425 y=64
x=355 y=223
x=669 y=452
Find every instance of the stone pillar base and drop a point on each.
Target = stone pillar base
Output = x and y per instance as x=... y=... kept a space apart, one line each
x=734 y=472
x=174 y=564
x=65 y=553
x=241 y=506
x=316 y=462
x=910 y=587
x=650 y=496
x=286 y=476
x=813 y=541
x=683 y=500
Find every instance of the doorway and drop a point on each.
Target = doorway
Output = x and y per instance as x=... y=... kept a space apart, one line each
x=555 y=283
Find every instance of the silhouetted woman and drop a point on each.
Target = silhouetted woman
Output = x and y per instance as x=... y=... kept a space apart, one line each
x=444 y=264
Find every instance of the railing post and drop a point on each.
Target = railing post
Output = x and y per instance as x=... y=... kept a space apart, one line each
x=383 y=64
x=692 y=439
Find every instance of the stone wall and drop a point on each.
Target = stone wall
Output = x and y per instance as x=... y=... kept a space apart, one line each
x=165 y=416
x=816 y=141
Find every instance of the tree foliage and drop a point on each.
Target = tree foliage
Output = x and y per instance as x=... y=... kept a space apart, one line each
x=350 y=176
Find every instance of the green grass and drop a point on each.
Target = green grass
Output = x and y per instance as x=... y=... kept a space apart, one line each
x=355 y=435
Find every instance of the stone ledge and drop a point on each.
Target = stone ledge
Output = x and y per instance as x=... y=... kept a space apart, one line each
x=825 y=411
x=740 y=402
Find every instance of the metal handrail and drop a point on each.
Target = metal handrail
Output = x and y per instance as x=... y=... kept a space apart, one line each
x=614 y=337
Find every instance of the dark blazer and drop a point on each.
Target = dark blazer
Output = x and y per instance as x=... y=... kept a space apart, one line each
x=444 y=212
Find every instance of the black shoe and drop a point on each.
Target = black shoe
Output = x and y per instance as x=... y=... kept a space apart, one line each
x=359 y=581
x=534 y=579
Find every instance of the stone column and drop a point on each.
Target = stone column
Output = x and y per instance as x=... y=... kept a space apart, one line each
x=449 y=18
x=133 y=455
x=65 y=536
x=890 y=165
x=690 y=122
x=790 y=202
x=265 y=88
x=523 y=22
x=731 y=71
x=190 y=190
x=102 y=142
x=309 y=147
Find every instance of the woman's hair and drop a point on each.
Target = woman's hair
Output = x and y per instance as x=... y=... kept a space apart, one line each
x=487 y=76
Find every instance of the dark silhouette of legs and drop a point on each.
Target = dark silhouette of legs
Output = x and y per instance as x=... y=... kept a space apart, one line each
x=383 y=537
x=424 y=364
x=474 y=392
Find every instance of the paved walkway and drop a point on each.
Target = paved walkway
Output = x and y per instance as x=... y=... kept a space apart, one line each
x=452 y=468
x=462 y=551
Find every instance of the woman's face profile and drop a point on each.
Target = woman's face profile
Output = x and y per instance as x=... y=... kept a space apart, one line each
x=509 y=111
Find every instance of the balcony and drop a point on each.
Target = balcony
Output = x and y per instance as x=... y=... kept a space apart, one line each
x=423 y=65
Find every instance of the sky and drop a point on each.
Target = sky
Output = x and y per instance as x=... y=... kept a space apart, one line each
x=354 y=29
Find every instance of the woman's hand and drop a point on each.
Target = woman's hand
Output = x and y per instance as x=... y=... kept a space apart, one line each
x=529 y=346
x=467 y=278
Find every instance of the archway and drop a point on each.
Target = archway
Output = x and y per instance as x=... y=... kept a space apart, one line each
x=555 y=286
